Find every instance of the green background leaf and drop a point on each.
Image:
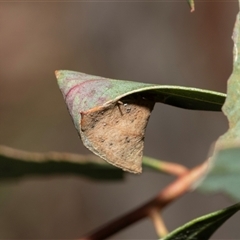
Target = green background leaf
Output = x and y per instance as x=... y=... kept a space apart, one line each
x=203 y=227
x=232 y=103
x=225 y=175
x=15 y=164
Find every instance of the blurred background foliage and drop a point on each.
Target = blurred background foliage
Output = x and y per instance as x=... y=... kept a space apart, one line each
x=156 y=42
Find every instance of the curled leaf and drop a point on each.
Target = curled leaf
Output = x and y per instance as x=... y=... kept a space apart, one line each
x=111 y=115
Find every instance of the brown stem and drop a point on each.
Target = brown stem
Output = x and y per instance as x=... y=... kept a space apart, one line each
x=169 y=194
x=158 y=223
x=174 y=169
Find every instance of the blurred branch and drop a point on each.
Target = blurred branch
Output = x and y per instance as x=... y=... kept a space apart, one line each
x=165 y=197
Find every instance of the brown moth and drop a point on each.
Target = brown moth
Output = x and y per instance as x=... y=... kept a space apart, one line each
x=116 y=132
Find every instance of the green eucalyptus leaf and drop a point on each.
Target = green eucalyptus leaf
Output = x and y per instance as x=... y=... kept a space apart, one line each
x=16 y=164
x=224 y=175
x=232 y=104
x=203 y=227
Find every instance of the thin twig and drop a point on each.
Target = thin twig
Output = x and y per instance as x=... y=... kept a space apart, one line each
x=158 y=223
x=168 y=195
x=164 y=166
